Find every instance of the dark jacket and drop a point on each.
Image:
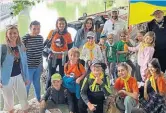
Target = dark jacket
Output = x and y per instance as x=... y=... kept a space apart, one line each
x=159 y=32
x=101 y=91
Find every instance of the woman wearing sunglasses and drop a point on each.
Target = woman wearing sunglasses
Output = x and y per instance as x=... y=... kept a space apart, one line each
x=14 y=70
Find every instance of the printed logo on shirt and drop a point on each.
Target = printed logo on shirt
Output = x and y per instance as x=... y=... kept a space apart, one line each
x=59 y=42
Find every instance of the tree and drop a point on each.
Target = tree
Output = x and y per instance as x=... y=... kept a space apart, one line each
x=21 y=5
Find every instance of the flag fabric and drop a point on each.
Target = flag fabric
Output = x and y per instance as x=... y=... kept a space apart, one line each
x=140 y=10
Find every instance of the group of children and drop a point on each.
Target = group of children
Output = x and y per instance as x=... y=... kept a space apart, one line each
x=79 y=93
x=88 y=87
x=82 y=81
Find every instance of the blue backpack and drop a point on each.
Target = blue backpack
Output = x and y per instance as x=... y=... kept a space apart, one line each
x=3 y=53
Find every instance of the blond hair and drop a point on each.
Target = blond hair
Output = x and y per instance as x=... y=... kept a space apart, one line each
x=74 y=51
x=150 y=34
x=18 y=41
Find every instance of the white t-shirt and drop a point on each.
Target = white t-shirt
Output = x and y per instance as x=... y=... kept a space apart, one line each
x=118 y=27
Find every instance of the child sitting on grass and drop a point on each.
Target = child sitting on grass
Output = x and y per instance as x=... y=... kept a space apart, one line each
x=55 y=96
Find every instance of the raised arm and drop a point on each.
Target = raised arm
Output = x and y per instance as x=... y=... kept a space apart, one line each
x=134 y=49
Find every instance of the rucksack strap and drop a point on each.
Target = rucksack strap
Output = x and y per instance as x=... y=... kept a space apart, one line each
x=3 y=53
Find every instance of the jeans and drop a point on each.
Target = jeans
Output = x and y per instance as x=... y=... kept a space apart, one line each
x=129 y=103
x=34 y=77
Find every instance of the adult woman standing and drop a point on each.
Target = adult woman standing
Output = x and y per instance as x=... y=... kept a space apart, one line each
x=14 y=70
x=81 y=36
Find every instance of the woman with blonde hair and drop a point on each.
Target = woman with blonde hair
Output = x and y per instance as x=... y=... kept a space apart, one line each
x=14 y=70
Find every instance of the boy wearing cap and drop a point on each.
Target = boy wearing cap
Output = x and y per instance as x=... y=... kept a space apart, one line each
x=55 y=96
x=91 y=50
x=94 y=88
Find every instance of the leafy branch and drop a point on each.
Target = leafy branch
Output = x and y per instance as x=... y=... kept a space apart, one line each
x=21 y=5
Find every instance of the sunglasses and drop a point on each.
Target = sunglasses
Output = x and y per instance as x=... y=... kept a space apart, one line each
x=11 y=26
x=123 y=36
x=113 y=26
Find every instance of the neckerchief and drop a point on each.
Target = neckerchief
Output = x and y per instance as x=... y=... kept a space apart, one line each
x=94 y=82
x=143 y=46
x=125 y=47
x=126 y=82
x=109 y=54
x=90 y=47
x=153 y=83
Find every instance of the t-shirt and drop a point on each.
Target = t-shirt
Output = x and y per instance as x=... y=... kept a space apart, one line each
x=16 y=70
x=132 y=84
x=114 y=28
x=74 y=69
x=110 y=52
x=122 y=46
x=60 y=42
x=161 y=84
x=34 y=48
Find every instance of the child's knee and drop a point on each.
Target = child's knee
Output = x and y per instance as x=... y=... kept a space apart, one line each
x=128 y=100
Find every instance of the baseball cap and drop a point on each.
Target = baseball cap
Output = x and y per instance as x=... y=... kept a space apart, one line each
x=91 y=34
x=103 y=36
x=154 y=12
x=56 y=76
x=96 y=63
x=114 y=9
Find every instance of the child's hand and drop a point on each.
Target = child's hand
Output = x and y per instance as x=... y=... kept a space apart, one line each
x=42 y=104
x=67 y=75
x=27 y=82
x=122 y=92
x=78 y=80
x=146 y=96
x=99 y=80
x=91 y=107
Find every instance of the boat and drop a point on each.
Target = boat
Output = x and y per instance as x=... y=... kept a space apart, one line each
x=98 y=19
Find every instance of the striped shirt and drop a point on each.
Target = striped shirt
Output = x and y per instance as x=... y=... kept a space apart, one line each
x=34 y=46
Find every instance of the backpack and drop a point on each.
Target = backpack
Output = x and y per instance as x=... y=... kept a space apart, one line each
x=80 y=61
x=46 y=50
x=3 y=53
